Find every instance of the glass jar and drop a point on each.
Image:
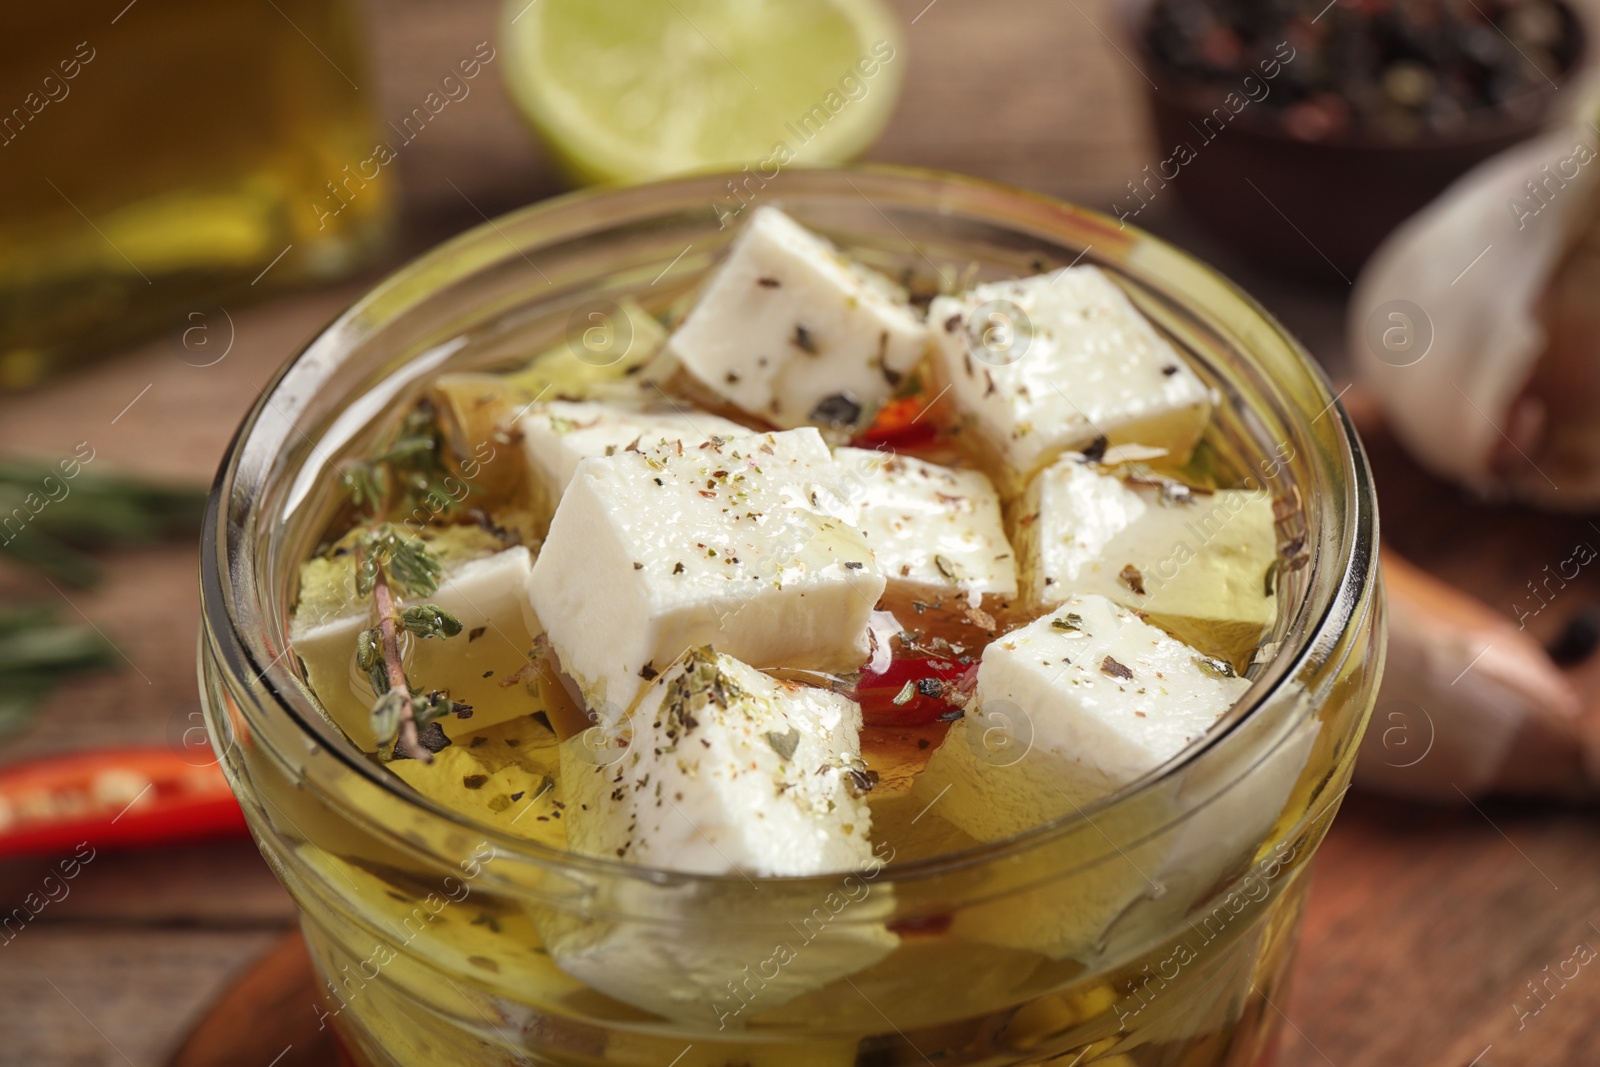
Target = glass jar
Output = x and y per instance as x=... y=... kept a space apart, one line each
x=1153 y=928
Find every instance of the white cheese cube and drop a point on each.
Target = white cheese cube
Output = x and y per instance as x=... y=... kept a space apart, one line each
x=1103 y=696
x=788 y=330
x=1069 y=709
x=1232 y=807
x=715 y=957
x=654 y=552
x=1195 y=563
x=497 y=630
x=934 y=530
x=1046 y=364
x=557 y=435
x=725 y=770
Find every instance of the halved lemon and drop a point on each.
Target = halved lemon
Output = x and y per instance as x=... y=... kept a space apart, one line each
x=629 y=90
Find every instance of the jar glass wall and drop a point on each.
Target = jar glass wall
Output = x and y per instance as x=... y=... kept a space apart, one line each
x=1150 y=929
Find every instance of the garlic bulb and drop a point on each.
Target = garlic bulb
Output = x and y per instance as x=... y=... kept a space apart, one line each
x=1477 y=326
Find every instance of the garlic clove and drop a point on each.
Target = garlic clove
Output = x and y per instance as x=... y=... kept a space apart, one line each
x=1471 y=325
x=1469 y=704
x=1562 y=395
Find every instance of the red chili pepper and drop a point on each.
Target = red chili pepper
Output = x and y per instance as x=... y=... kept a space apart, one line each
x=114 y=798
x=899 y=425
x=886 y=701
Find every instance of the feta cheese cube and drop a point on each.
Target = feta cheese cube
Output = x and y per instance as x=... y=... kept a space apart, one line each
x=1068 y=710
x=788 y=330
x=719 y=956
x=725 y=770
x=654 y=552
x=934 y=530
x=1233 y=806
x=1195 y=563
x=497 y=630
x=1046 y=364
x=1098 y=696
x=557 y=435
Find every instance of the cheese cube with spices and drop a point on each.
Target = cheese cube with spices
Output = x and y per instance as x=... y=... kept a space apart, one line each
x=792 y=332
x=1042 y=365
x=678 y=545
x=558 y=435
x=484 y=591
x=720 y=769
x=936 y=531
x=1068 y=710
x=1201 y=565
x=724 y=769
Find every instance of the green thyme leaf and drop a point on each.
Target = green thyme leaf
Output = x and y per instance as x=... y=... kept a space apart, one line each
x=386 y=713
x=783 y=744
x=411 y=566
x=1215 y=668
x=430 y=620
x=409 y=473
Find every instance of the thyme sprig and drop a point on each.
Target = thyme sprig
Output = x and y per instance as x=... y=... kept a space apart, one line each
x=37 y=651
x=390 y=565
x=401 y=712
x=51 y=517
x=408 y=473
x=46 y=521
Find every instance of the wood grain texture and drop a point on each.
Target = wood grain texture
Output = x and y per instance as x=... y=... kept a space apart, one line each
x=265 y=1010
x=113 y=995
x=1424 y=925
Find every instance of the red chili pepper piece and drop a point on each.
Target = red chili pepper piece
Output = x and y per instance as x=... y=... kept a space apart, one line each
x=919 y=704
x=899 y=425
x=114 y=798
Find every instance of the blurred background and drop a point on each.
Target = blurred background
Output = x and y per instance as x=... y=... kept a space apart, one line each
x=189 y=190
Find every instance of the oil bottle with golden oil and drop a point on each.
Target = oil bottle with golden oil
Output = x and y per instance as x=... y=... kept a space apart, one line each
x=160 y=156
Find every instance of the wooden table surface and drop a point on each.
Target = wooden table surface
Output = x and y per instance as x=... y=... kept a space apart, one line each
x=1425 y=925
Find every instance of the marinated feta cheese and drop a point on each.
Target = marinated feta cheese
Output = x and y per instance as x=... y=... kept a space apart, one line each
x=1069 y=709
x=1198 y=564
x=935 y=530
x=721 y=769
x=789 y=330
x=1231 y=802
x=725 y=769
x=487 y=594
x=557 y=435
x=1037 y=366
x=716 y=956
x=653 y=552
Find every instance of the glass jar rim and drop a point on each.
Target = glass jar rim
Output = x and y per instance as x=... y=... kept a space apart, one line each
x=233 y=625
